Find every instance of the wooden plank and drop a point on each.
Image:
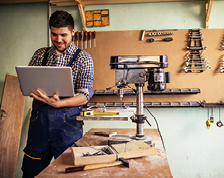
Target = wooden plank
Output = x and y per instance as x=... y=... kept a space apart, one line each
x=20 y=1
x=12 y=105
x=96 y=2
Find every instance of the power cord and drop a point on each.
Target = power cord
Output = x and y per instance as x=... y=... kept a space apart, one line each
x=156 y=124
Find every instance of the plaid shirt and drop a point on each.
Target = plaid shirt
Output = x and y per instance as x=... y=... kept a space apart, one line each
x=82 y=67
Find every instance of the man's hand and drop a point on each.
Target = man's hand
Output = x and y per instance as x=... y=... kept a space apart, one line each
x=53 y=101
x=56 y=102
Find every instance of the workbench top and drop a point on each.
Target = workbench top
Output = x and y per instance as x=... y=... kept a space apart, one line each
x=149 y=166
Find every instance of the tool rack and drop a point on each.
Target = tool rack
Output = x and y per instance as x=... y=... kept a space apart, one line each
x=211 y=105
x=147 y=92
x=148 y=104
x=196 y=61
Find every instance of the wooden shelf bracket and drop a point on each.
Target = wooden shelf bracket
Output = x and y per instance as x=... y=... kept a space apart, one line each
x=208 y=7
x=82 y=10
x=81 y=6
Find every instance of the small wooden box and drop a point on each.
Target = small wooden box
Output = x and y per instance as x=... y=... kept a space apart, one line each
x=128 y=150
x=80 y=159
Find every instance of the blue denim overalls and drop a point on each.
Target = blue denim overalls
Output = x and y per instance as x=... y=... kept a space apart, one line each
x=51 y=132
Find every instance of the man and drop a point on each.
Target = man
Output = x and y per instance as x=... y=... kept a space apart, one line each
x=53 y=125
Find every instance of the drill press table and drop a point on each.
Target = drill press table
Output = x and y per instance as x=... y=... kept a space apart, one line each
x=150 y=166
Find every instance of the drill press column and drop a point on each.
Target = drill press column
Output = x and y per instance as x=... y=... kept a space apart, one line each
x=139 y=112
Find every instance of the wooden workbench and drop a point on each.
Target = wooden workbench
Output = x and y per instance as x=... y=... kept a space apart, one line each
x=150 y=166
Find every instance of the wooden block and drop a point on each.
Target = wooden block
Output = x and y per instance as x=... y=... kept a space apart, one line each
x=81 y=143
x=131 y=146
x=134 y=149
x=11 y=123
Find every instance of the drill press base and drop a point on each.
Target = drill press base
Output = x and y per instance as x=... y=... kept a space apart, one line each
x=118 y=139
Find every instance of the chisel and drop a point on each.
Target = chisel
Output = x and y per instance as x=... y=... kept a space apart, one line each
x=94 y=38
x=90 y=36
x=85 y=34
x=77 y=38
x=81 y=33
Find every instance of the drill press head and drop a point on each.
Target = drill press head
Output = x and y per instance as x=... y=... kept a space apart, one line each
x=140 y=69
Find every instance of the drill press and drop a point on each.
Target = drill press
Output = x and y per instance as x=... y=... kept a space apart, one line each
x=137 y=70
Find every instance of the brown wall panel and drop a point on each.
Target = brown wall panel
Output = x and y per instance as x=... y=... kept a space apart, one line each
x=210 y=82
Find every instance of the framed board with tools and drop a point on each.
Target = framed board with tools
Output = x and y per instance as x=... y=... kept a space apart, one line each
x=97 y=18
x=119 y=43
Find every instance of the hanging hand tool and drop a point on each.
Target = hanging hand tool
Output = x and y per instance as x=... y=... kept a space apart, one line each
x=208 y=123
x=210 y=120
x=85 y=34
x=121 y=161
x=219 y=123
x=91 y=113
x=90 y=37
x=160 y=33
x=212 y=117
x=81 y=33
x=143 y=32
x=94 y=38
x=77 y=38
x=163 y=39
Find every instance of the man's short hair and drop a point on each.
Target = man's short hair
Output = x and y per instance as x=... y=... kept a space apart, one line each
x=61 y=19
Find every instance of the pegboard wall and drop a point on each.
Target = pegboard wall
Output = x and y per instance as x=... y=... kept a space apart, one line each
x=210 y=82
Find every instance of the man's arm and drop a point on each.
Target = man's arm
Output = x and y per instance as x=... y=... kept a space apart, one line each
x=56 y=102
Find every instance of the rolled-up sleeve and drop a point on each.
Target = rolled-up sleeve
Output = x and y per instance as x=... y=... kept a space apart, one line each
x=85 y=78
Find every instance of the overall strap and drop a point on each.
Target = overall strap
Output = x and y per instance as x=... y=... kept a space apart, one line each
x=74 y=57
x=44 y=62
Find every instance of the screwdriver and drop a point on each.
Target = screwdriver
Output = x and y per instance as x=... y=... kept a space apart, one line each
x=90 y=36
x=163 y=39
x=94 y=38
x=85 y=39
x=77 y=38
x=81 y=33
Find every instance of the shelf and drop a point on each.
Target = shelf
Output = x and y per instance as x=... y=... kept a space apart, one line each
x=149 y=104
x=147 y=92
x=97 y=2
x=208 y=5
x=212 y=105
x=82 y=3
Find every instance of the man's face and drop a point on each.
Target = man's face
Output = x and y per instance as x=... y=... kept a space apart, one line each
x=61 y=38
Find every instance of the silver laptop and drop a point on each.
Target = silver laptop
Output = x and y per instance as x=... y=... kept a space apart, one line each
x=49 y=79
